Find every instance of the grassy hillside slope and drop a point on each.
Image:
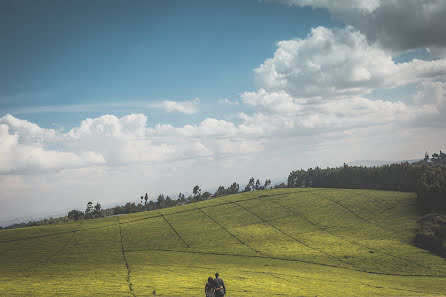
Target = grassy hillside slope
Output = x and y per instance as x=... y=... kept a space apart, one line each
x=288 y=242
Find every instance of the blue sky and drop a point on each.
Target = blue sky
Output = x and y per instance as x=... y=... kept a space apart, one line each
x=90 y=52
x=106 y=100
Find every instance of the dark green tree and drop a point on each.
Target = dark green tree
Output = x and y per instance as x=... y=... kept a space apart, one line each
x=426 y=157
x=89 y=210
x=151 y=205
x=97 y=207
x=250 y=186
x=234 y=188
x=267 y=183
x=257 y=185
x=75 y=215
x=160 y=201
x=221 y=191
x=181 y=199
x=168 y=201
x=197 y=193
x=206 y=195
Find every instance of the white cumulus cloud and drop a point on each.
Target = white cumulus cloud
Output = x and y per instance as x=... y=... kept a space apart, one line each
x=338 y=62
x=26 y=157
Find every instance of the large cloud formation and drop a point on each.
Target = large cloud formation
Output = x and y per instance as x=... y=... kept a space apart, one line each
x=335 y=62
x=321 y=81
x=112 y=141
x=395 y=24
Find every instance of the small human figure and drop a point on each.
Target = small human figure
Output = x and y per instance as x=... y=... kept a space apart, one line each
x=221 y=289
x=210 y=287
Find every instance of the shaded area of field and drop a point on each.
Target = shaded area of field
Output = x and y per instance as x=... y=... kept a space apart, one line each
x=287 y=242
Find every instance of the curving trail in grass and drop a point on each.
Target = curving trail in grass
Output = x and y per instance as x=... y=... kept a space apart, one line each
x=287 y=242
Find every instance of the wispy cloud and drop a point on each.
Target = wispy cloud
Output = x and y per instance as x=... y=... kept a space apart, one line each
x=187 y=107
x=227 y=101
x=77 y=107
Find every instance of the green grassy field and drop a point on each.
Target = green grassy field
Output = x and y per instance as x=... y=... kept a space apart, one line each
x=287 y=242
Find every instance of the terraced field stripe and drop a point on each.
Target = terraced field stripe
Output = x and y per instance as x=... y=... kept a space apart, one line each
x=386 y=207
x=173 y=229
x=125 y=260
x=386 y=229
x=64 y=246
x=288 y=193
x=396 y=289
x=373 y=199
x=263 y=256
x=350 y=241
x=58 y=233
x=221 y=226
x=356 y=215
x=287 y=276
x=295 y=239
x=374 y=249
x=38 y=236
x=35 y=266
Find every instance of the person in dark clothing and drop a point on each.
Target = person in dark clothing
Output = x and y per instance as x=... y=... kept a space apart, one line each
x=210 y=287
x=221 y=289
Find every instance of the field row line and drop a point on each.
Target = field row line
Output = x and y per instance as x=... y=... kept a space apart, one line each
x=227 y=231
x=63 y=247
x=396 y=289
x=38 y=236
x=34 y=267
x=125 y=260
x=173 y=229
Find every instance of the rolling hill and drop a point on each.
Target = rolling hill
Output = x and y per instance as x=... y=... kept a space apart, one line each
x=285 y=242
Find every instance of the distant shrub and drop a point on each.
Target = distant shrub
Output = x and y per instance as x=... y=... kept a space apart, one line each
x=75 y=215
x=280 y=186
x=431 y=233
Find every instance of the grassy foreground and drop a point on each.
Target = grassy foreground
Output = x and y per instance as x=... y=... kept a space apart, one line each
x=288 y=242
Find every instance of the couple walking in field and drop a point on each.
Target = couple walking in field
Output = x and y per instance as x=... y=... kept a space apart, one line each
x=215 y=287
